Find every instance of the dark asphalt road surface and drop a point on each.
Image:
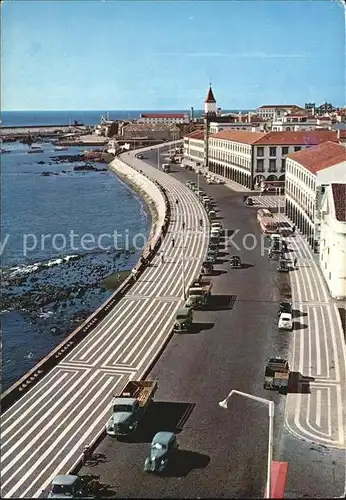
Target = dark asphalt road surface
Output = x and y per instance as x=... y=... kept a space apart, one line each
x=223 y=453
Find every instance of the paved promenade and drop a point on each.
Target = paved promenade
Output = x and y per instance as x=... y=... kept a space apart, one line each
x=44 y=432
x=317 y=412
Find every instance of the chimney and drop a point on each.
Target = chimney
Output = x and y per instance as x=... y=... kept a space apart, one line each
x=249 y=117
x=192 y=113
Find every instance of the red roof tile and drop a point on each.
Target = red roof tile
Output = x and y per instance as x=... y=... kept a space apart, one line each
x=319 y=157
x=163 y=115
x=238 y=136
x=196 y=134
x=339 y=197
x=210 y=96
x=301 y=137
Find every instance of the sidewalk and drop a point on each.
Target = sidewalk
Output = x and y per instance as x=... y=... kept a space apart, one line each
x=316 y=411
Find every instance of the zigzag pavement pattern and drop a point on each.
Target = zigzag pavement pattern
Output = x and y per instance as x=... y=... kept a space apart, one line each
x=44 y=432
x=317 y=411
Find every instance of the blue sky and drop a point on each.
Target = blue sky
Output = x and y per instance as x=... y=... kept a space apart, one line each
x=102 y=54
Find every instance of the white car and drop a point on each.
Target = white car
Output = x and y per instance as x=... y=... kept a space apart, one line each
x=285 y=321
x=216 y=225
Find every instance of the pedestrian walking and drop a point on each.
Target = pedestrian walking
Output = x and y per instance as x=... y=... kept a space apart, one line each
x=134 y=274
x=162 y=257
x=177 y=201
x=270 y=255
x=295 y=263
x=200 y=222
x=183 y=225
x=173 y=241
x=86 y=454
x=293 y=229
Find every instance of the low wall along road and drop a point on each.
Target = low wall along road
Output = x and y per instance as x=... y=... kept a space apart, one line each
x=44 y=432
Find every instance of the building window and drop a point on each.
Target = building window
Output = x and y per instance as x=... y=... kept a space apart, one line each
x=283 y=164
x=260 y=166
x=272 y=165
x=297 y=148
x=285 y=150
x=260 y=151
x=272 y=151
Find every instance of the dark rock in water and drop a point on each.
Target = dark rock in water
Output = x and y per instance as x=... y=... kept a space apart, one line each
x=46 y=174
x=41 y=162
x=56 y=173
x=67 y=158
x=87 y=166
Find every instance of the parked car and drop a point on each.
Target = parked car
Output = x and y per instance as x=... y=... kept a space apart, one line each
x=249 y=201
x=285 y=307
x=212 y=256
x=140 y=157
x=285 y=321
x=162 y=449
x=235 y=262
x=263 y=212
x=282 y=266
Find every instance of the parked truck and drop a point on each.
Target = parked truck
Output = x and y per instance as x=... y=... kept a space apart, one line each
x=130 y=406
x=199 y=293
x=277 y=374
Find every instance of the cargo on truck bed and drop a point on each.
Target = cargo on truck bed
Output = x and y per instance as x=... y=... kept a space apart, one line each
x=129 y=406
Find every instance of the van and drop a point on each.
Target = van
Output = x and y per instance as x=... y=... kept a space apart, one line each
x=263 y=212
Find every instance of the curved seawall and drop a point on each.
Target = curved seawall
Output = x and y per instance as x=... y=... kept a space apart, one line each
x=157 y=201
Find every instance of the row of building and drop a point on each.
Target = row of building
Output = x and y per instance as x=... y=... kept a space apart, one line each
x=308 y=165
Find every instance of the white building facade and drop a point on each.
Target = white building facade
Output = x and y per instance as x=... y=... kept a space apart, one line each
x=332 y=258
x=300 y=122
x=250 y=158
x=194 y=146
x=164 y=118
x=307 y=175
x=272 y=111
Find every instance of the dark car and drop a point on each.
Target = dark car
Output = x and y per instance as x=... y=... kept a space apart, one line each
x=163 y=446
x=235 y=262
x=282 y=266
x=207 y=268
x=249 y=201
x=285 y=307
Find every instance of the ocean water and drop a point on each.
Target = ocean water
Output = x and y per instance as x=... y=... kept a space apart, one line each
x=61 y=236
x=26 y=118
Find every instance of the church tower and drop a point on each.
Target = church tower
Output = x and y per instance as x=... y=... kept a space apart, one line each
x=210 y=112
x=210 y=103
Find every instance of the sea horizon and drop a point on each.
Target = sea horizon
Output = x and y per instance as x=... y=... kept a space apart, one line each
x=28 y=118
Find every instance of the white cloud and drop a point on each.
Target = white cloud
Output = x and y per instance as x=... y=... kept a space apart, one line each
x=254 y=55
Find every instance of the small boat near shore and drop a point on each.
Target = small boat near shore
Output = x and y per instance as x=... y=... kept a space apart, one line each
x=61 y=148
x=35 y=149
x=3 y=151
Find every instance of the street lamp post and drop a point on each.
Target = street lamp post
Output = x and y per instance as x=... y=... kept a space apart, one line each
x=270 y=405
x=158 y=158
x=183 y=263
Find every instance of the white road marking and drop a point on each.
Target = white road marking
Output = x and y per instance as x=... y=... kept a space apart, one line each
x=318 y=407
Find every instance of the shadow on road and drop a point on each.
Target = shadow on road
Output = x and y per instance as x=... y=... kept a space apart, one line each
x=218 y=272
x=299 y=383
x=184 y=462
x=220 y=261
x=220 y=302
x=223 y=254
x=200 y=327
x=298 y=314
x=299 y=326
x=162 y=416
x=246 y=266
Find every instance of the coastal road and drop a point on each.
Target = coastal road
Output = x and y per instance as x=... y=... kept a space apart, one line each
x=223 y=453
x=45 y=431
